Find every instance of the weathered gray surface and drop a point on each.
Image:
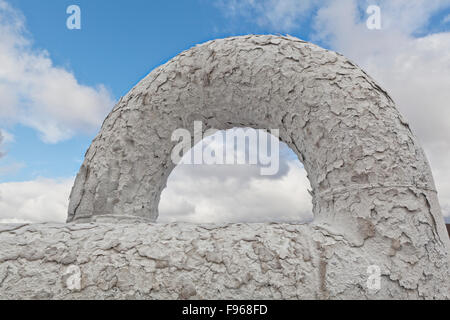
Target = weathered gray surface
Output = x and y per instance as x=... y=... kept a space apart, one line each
x=180 y=261
x=362 y=160
x=374 y=197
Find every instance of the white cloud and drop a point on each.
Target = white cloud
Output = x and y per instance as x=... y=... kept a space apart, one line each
x=195 y=195
x=236 y=193
x=35 y=93
x=41 y=200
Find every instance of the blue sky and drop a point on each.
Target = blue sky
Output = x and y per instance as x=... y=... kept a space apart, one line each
x=122 y=41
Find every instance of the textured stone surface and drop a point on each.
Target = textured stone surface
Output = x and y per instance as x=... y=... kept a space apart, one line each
x=237 y=261
x=374 y=197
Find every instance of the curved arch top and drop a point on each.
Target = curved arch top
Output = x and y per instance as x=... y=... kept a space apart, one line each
x=363 y=161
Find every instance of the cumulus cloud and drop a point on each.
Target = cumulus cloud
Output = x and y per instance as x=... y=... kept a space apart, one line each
x=237 y=193
x=232 y=196
x=41 y=200
x=36 y=93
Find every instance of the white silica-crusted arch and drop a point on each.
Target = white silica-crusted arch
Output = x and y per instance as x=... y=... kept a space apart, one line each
x=375 y=204
x=364 y=164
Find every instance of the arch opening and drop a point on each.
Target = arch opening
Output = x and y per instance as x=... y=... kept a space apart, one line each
x=230 y=184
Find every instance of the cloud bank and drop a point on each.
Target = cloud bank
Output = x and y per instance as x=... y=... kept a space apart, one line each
x=42 y=200
x=196 y=194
